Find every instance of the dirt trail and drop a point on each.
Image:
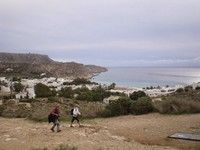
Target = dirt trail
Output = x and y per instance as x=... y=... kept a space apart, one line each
x=121 y=133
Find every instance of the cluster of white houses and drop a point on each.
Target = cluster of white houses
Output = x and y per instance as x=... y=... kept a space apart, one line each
x=57 y=84
x=28 y=92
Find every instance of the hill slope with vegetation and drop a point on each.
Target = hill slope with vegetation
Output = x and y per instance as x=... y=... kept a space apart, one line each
x=33 y=65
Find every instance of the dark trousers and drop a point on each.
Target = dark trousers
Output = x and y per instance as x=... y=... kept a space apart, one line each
x=74 y=118
x=56 y=123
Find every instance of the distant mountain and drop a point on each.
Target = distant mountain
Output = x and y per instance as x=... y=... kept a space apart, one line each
x=33 y=65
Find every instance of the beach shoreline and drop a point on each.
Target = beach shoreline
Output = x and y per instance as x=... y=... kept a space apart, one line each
x=139 y=77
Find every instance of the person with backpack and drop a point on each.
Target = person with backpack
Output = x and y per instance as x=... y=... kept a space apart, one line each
x=54 y=117
x=75 y=113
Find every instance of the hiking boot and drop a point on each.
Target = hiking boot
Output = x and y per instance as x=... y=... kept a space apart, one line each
x=52 y=130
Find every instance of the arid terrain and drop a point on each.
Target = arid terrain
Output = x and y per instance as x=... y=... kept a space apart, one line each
x=118 y=133
x=33 y=65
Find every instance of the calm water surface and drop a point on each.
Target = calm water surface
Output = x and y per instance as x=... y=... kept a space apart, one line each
x=143 y=77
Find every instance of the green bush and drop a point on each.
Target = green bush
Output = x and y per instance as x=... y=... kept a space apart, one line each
x=66 y=92
x=97 y=94
x=125 y=106
x=79 y=81
x=90 y=96
x=18 y=87
x=118 y=94
x=112 y=86
x=118 y=107
x=80 y=90
x=86 y=96
x=180 y=90
x=137 y=94
x=197 y=88
x=16 y=79
x=52 y=99
x=188 y=88
x=42 y=90
x=142 y=106
x=83 y=94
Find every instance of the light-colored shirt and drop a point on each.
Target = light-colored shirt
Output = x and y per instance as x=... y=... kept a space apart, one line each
x=76 y=112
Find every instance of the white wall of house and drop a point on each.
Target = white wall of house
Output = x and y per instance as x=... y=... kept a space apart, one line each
x=109 y=99
x=5 y=89
x=31 y=93
x=21 y=95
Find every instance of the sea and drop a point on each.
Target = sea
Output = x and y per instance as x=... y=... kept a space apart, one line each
x=149 y=76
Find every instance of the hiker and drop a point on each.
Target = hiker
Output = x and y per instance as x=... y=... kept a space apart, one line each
x=54 y=117
x=75 y=113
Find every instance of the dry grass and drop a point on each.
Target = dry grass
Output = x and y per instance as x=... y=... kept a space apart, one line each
x=60 y=147
x=39 y=110
x=178 y=106
x=179 y=103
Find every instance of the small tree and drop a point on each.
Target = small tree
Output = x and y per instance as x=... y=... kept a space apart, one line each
x=85 y=96
x=67 y=92
x=142 y=106
x=16 y=79
x=118 y=107
x=18 y=87
x=112 y=86
x=188 y=88
x=42 y=90
x=97 y=94
x=180 y=90
x=137 y=94
x=197 y=88
x=79 y=81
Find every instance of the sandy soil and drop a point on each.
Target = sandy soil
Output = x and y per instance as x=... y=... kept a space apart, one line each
x=145 y=132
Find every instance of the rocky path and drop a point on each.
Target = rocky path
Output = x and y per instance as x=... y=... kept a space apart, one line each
x=120 y=133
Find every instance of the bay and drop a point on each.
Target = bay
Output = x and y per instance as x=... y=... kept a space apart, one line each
x=148 y=76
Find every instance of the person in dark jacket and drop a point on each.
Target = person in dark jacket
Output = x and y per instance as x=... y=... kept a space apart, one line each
x=54 y=117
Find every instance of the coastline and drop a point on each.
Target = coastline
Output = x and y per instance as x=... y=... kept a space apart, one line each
x=135 y=77
x=151 y=90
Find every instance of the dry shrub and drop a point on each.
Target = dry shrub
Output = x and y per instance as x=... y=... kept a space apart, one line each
x=41 y=110
x=177 y=106
x=60 y=147
x=19 y=111
x=11 y=108
x=91 y=109
x=2 y=107
x=66 y=147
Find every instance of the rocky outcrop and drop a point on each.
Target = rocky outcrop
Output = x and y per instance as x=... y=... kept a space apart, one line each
x=33 y=65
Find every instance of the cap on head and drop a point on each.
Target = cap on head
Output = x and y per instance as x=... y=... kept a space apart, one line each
x=76 y=105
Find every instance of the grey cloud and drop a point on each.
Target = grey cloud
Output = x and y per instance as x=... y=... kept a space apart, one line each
x=102 y=31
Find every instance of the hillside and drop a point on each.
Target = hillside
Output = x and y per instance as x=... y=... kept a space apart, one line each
x=146 y=132
x=33 y=65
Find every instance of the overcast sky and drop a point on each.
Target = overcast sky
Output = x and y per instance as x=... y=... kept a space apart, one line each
x=104 y=32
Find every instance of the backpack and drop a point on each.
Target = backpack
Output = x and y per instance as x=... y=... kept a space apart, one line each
x=50 y=118
x=71 y=111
